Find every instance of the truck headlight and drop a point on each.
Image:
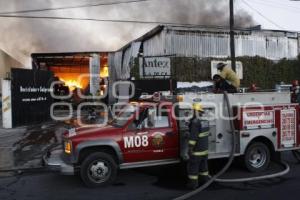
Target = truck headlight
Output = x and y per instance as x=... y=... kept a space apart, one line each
x=68 y=147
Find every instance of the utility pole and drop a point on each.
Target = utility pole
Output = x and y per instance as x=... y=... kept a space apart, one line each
x=232 y=45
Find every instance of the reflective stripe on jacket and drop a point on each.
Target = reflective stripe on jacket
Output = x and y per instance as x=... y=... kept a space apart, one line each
x=200 y=153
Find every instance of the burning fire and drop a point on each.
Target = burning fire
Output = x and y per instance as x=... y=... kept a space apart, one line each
x=104 y=72
x=72 y=84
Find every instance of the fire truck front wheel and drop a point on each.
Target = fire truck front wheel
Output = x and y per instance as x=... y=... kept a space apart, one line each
x=98 y=169
x=257 y=157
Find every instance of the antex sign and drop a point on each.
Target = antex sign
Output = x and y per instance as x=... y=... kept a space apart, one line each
x=155 y=67
x=258 y=119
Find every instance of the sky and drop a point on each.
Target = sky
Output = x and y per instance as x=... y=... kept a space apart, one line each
x=284 y=14
x=21 y=37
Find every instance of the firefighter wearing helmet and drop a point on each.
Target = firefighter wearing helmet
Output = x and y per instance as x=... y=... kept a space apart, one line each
x=197 y=168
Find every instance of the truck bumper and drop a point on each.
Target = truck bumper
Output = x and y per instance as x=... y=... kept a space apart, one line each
x=57 y=161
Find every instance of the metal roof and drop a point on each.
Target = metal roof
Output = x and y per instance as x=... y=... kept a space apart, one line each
x=192 y=41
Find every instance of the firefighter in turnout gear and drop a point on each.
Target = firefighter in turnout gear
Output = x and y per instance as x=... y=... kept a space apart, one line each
x=197 y=168
x=229 y=75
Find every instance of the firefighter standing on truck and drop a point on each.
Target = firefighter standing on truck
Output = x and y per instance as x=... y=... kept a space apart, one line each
x=197 y=168
x=229 y=75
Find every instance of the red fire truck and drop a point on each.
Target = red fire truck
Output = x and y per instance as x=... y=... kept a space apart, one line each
x=154 y=133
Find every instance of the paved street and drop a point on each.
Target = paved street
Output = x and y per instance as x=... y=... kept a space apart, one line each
x=28 y=144
x=23 y=147
x=151 y=183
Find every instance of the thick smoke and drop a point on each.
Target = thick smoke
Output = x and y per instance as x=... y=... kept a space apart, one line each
x=21 y=37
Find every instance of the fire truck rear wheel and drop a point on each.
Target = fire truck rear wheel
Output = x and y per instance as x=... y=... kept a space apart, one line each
x=257 y=157
x=98 y=169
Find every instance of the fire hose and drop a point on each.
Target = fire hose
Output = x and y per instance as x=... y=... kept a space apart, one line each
x=296 y=154
x=216 y=178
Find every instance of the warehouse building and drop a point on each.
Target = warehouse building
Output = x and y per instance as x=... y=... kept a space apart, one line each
x=206 y=42
x=189 y=46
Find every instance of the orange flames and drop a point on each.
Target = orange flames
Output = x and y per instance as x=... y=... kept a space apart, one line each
x=104 y=72
x=72 y=84
x=72 y=80
x=78 y=76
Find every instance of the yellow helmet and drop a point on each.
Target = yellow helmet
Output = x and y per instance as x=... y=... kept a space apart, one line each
x=198 y=107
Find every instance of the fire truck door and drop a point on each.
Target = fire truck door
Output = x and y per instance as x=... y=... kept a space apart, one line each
x=153 y=139
x=163 y=140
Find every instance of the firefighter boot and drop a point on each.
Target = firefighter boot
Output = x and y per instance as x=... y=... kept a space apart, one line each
x=203 y=178
x=192 y=184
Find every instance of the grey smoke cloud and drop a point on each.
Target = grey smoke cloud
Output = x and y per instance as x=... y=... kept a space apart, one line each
x=21 y=37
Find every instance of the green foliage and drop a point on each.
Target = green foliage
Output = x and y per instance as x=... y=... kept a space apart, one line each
x=266 y=73
x=190 y=69
x=261 y=71
x=257 y=70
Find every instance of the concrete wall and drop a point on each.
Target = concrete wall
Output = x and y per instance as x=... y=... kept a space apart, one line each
x=6 y=63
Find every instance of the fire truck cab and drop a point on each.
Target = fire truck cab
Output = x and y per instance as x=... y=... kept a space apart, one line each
x=155 y=133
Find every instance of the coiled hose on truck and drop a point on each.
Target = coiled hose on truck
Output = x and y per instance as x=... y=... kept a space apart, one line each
x=229 y=162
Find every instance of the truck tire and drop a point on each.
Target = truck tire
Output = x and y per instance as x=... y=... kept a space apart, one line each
x=98 y=169
x=257 y=157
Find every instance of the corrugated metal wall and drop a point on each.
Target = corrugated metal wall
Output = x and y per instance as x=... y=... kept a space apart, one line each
x=215 y=43
x=120 y=65
x=156 y=45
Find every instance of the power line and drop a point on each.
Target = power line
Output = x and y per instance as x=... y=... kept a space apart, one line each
x=94 y=19
x=73 y=7
x=258 y=12
x=121 y=21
